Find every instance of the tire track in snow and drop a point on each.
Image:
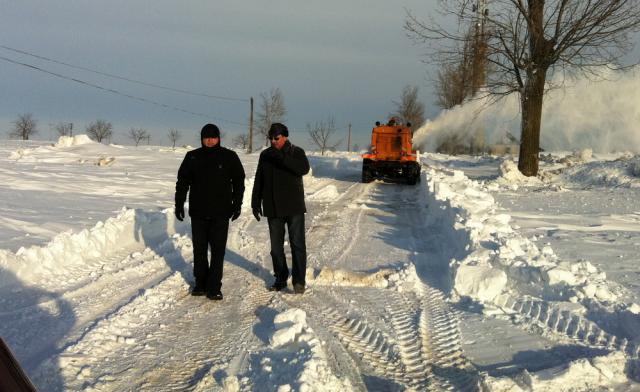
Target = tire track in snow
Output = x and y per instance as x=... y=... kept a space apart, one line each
x=227 y=327
x=344 y=233
x=565 y=324
x=86 y=293
x=132 y=293
x=184 y=338
x=404 y=338
x=440 y=334
x=422 y=349
x=372 y=348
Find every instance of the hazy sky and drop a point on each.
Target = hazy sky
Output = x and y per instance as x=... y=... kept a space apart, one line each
x=347 y=59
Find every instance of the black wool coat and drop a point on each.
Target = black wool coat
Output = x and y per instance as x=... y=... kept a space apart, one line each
x=214 y=178
x=278 y=186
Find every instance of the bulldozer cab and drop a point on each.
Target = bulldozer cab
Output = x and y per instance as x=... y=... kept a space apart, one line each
x=391 y=142
x=392 y=154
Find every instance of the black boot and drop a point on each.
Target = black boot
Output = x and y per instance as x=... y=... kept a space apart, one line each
x=198 y=291
x=215 y=296
x=278 y=286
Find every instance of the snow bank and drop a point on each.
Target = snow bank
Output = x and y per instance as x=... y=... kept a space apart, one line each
x=345 y=163
x=68 y=249
x=497 y=257
x=622 y=172
x=68 y=141
x=294 y=361
x=511 y=176
x=605 y=372
x=500 y=268
x=23 y=153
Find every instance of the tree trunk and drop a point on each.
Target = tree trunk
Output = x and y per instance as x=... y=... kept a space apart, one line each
x=531 y=101
x=532 y=96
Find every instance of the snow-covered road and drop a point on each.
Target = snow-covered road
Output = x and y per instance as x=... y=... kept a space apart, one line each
x=99 y=300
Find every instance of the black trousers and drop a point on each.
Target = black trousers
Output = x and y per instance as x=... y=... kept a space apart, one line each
x=209 y=233
x=295 y=227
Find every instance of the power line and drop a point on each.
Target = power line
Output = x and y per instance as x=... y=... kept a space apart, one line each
x=120 y=93
x=177 y=90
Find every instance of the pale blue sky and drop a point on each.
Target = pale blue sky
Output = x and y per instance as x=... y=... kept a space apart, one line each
x=347 y=59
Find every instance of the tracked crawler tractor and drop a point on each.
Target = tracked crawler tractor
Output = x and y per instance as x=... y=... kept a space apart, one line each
x=392 y=156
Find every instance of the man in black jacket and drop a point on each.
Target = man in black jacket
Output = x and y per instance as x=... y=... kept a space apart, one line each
x=214 y=178
x=278 y=194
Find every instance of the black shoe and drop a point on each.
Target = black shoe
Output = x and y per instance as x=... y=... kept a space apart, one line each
x=198 y=291
x=215 y=296
x=298 y=288
x=277 y=286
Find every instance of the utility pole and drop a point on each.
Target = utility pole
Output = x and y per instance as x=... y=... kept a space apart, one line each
x=250 y=149
x=349 y=139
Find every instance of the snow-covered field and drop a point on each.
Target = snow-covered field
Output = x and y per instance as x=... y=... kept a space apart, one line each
x=476 y=278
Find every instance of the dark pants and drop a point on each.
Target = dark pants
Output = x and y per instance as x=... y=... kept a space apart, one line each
x=207 y=233
x=295 y=227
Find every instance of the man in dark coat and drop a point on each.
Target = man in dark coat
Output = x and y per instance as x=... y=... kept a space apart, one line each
x=214 y=178
x=278 y=194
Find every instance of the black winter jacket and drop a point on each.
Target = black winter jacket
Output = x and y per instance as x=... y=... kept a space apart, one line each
x=214 y=178
x=278 y=184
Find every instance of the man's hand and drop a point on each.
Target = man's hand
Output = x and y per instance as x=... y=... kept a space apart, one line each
x=257 y=212
x=275 y=155
x=179 y=211
x=235 y=215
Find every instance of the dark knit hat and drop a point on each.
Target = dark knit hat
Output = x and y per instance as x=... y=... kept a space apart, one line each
x=209 y=130
x=278 y=129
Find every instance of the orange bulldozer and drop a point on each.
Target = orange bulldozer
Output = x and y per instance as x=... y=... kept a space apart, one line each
x=392 y=156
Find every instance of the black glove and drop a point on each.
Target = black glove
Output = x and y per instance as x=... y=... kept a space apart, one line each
x=275 y=155
x=179 y=211
x=257 y=212
x=235 y=214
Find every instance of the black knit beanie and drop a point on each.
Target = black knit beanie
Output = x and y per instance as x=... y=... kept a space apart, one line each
x=209 y=130
x=278 y=129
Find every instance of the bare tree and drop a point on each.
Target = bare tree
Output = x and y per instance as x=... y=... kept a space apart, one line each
x=450 y=86
x=321 y=134
x=100 y=130
x=24 y=127
x=241 y=141
x=455 y=79
x=272 y=111
x=174 y=135
x=409 y=107
x=64 y=129
x=527 y=40
x=138 y=135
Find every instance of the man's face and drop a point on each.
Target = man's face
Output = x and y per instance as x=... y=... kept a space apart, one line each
x=210 y=141
x=278 y=141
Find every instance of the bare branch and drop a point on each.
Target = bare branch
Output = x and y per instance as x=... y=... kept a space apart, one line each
x=272 y=111
x=322 y=133
x=241 y=141
x=174 y=135
x=409 y=107
x=138 y=135
x=100 y=130
x=24 y=127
